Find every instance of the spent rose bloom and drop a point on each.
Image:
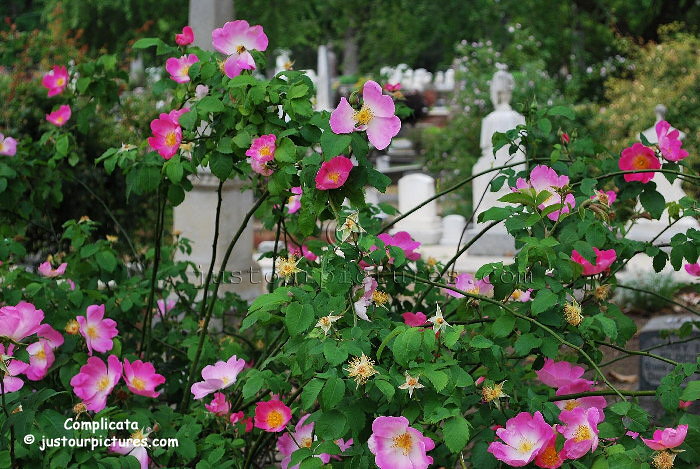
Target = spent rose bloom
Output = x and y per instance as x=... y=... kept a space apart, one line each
x=693 y=269
x=605 y=197
x=218 y=376
x=179 y=68
x=46 y=270
x=261 y=153
x=235 y=39
x=20 y=321
x=333 y=173
x=523 y=438
x=167 y=133
x=368 y=287
x=604 y=260
x=558 y=374
x=549 y=457
x=395 y=445
x=414 y=319
x=141 y=378
x=8 y=146
x=376 y=116
x=580 y=430
x=304 y=437
x=96 y=380
x=219 y=405
x=470 y=284
x=56 y=80
x=638 y=157
x=403 y=240
x=294 y=201
x=10 y=381
x=544 y=178
x=60 y=116
x=669 y=143
x=97 y=331
x=272 y=416
x=521 y=296
x=667 y=438
x=186 y=37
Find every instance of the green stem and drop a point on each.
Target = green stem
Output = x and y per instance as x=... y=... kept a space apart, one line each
x=669 y=300
x=202 y=335
x=649 y=349
x=637 y=171
x=7 y=415
x=210 y=272
x=275 y=251
x=636 y=352
x=547 y=329
x=443 y=192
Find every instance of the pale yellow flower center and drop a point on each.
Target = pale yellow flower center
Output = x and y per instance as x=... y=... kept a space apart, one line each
x=571 y=404
x=265 y=151
x=41 y=355
x=92 y=332
x=334 y=176
x=517 y=294
x=582 y=433
x=640 y=162
x=103 y=383
x=526 y=446
x=363 y=116
x=240 y=49
x=306 y=443
x=404 y=442
x=274 y=419
x=138 y=383
x=60 y=82
x=170 y=139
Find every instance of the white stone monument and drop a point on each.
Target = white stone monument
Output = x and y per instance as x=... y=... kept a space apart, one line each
x=503 y=118
x=323 y=85
x=423 y=224
x=646 y=230
x=452 y=228
x=283 y=62
x=207 y=15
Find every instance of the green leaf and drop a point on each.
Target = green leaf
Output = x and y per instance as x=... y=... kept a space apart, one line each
x=334 y=144
x=503 y=325
x=106 y=260
x=562 y=111
x=146 y=42
x=439 y=379
x=545 y=125
x=544 y=300
x=691 y=392
x=221 y=165
x=286 y=151
x=331 y=425
x=653 y=202
x=333 y=353
x=527 y=342
x=210 y=104
x=456 y=433
x=480 y=342
x=298 y=318
x=407 y=345
x=174 y=170
x=310 y=393
x=333 y=392
x=386 y=388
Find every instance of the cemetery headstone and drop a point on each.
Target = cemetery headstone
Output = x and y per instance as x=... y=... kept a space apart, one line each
x=423 y=224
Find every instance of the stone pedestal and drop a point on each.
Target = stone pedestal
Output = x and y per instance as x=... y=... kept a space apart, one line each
x=195 y=218
x=207 y=15
x=423 y=224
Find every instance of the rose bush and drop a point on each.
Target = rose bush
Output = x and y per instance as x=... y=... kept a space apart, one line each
x=363 y=353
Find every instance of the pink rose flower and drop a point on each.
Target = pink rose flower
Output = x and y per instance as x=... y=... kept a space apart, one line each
x=41 y=355
x=56 y=80
x=303 y=436
x=549 y=457
x=167 y=133
x=684 y=404
x=186 y=37
x=605 y=197
x=693 y=269
x=218 y=376
x=395 y=445
x=667 y=438
x=521 y=296
x=470 y=284
x=604 y=260
x=403 y=240
x=638 y=157
x=10 y=381
x=239 y=417
x=392 y=87
x=179 y=68
x=303 y=251
x=60 y=116
x=164 y=307
x=376 y=116
x=580 y=430
x=141 y=378
x=565 y=138
x=219 y=405
x=294 y=201
x=261 y=153
x=96 y=380
x=544 y=178
x=97 y=331
x=18 y=322
x=8 y=146
x=272 y=416
x=414 y=319
x=46 y=270
x=369 y=285
x=523 y=438
x=575 y=387
x=235 y=39
x=669 y=143
x=129 y=447
x=558 y=374
x=333 y=173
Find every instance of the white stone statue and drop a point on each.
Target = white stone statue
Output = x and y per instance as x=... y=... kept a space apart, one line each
x=423 y=225
x=646 y=230
x=502 y=119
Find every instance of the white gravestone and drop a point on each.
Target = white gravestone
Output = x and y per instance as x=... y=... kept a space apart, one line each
x=423 y=224
x=503 y=118
x=646 y=230
x=323 y=86
x=452 y=228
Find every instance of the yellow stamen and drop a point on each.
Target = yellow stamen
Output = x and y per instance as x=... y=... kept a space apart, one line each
x=138 y=383
x=170 y=139
x=274 y=419
x=363 y=116
x=404 y=442
x=525 y=446
x=103 y=383
x=582 y=433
